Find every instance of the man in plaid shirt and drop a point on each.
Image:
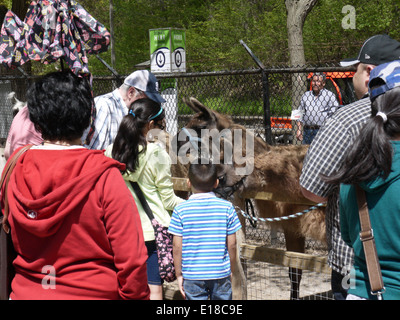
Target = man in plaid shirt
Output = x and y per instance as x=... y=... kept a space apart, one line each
x=327 y=151
x=113 y=106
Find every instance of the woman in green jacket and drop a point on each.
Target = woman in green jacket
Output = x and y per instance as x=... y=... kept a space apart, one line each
x=150 y=166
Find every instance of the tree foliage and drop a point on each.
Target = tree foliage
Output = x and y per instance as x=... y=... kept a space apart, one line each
x=215 y=27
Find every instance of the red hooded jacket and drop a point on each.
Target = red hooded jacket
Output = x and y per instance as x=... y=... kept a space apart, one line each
x=75 y=227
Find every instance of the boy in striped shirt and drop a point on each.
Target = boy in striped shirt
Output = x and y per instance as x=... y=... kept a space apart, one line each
x=204 y=229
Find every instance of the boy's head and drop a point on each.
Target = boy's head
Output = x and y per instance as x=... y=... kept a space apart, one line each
x=203 y=176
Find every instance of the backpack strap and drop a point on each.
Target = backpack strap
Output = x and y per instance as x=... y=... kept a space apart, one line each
x=368 y=241
x=142 y=199
x=5 y=178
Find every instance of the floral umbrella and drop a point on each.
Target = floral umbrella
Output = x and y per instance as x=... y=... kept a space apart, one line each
x=52 y=29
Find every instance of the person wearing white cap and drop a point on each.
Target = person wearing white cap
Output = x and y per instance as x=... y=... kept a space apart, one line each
x=329 y=147
x=113 y=106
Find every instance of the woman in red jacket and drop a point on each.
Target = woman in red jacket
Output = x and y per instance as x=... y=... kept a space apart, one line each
x=74 y=223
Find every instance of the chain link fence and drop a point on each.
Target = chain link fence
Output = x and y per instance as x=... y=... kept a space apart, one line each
x=260 y=99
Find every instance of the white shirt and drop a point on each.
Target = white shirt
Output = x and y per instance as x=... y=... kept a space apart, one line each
x=110 y=109
x=316 y=109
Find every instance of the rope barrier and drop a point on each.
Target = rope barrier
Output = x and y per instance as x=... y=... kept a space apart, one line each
x=292 y=216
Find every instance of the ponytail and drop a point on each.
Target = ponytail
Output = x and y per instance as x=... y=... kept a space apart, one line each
x=130 y=133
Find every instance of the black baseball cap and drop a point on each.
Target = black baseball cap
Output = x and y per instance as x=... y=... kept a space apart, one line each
x=376 y=50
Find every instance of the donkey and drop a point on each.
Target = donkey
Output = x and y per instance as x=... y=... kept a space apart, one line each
x=274 y=169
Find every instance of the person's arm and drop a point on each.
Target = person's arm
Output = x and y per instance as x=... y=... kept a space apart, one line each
x=299 y=133
x=233 y=225
x=324 y=156
x=231 y=244
x=161 y=164
x=333 y=104
x=177 y=252
x=311 y=196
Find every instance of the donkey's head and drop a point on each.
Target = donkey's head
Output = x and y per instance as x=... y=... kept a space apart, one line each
x=211 y=135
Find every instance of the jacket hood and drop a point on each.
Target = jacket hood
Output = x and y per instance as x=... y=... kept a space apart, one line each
x=47 y=185
x=380 y=184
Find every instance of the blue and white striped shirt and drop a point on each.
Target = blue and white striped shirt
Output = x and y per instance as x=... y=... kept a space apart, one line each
x=204 y=222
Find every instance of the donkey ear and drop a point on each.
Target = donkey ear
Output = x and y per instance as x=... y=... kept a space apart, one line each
x=193 y=104
x=197 y=107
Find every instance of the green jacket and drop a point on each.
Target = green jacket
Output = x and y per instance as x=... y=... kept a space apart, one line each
x=154 y=178
x=383 y=198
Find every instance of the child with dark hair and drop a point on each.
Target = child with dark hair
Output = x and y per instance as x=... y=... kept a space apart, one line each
x=203 y=176
x=204 y=229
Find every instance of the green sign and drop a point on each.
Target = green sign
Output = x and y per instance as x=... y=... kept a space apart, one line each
x=167 y=50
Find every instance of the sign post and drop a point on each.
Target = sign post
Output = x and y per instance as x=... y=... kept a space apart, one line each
x=167 y=50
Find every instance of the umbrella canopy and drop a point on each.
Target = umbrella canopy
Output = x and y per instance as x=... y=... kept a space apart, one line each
x=52 y=29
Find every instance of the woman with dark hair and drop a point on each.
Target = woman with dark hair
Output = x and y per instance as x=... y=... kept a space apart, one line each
x=150 y=166
x=73 y=222
x=373 y=163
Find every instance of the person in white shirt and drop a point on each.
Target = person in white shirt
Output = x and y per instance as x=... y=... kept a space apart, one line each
x=316 y=106
x=113 y=106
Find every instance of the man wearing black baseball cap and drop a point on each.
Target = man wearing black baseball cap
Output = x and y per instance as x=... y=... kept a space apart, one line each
x=327 y=151
x=113 y=106
x=375 y=51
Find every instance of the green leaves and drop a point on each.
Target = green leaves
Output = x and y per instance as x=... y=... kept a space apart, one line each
x=214 y=28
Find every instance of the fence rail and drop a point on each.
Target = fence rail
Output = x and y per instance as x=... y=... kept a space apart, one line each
x=286 y=258
x=252 y=97
x=261 y=99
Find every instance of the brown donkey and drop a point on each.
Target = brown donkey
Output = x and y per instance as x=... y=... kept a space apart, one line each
x=268 y=168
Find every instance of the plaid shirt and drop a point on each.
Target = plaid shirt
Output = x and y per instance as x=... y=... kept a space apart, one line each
x=110 y=109
x=325 y=155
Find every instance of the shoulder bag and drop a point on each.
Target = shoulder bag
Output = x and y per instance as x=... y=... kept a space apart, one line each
x=368 y=241
x=163 y=240
x=7 y=252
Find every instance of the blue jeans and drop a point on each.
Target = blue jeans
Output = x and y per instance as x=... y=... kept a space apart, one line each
x=218 y=289
x=309 y=135
x=153 y=271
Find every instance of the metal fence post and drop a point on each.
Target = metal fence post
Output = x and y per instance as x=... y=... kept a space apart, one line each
x=266 y=107
x=265 y=86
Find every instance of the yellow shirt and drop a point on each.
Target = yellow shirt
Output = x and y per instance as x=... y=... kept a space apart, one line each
x=154 y=179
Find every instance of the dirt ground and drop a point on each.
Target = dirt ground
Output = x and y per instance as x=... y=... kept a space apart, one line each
x=269 y=282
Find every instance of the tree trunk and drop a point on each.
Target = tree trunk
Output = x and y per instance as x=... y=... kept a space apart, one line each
x=112 y=43
x=297 y=11
x=20 y=7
